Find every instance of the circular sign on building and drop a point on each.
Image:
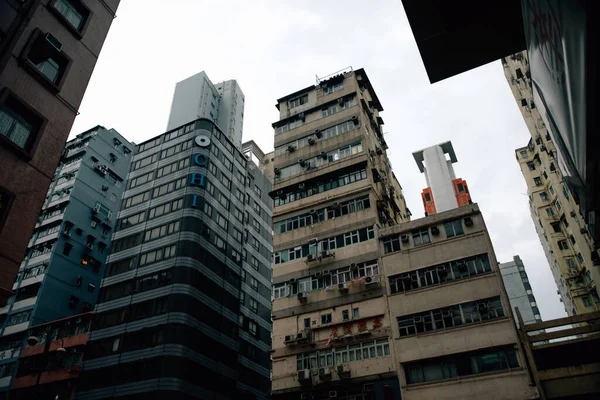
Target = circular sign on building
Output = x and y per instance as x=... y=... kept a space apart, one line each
x=202 y=140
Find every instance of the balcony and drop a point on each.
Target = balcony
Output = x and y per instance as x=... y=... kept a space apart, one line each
x=16 y=328
x=47 y=377
x=29 y=281
x=17 y=305
x=10 y=353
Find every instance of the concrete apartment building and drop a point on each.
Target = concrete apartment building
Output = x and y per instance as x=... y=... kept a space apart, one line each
x=563 y=231
x=333 y=191
x=65 y=259
x=452 y=332
x=518 y=289
x=184 y=308
x=223 y=103
x=48 y=50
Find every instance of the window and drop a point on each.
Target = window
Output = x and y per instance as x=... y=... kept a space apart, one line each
x=257 y=191
x=242 y=298
x=237 y=235
x=523 y=153
x=449 y=317
x=298 y=101
x=355 y=313
x=157 y=255
x=257 y=208
x=333 y=88
x=453 y=228
x=464 y=364
x=222 y=221
x=563 y=245
x=558 y=206
x=252 y=328
x=226 y=182
x=587 y=301
x=439 y=274
x=168 y=188
x=238 y=214
x=421 y=237
x=391 y=245
x=223 y=200
x=556 y=227
x=239 y=195
x=255 y=263
x=253 y=305
x=531 y=166
x=44 y=55
x=67 y=249
x=161 y=231
x=344 y=354
x=550 y=211
x=19 y=125
x=253 y=283
x=178 y=148
x=345 y=315
x=306 y=323
x=137 y=199
x=537 y=180
x=256 y=225
x=74 y=12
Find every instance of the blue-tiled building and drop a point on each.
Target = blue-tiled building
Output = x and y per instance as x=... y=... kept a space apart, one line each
x=64 y=264
x=185 y=305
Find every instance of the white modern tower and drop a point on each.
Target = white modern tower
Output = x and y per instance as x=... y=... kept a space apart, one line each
x=197 y=97
x=444 y=191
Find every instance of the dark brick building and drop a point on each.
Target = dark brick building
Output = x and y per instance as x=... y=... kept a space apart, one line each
x=48 y=50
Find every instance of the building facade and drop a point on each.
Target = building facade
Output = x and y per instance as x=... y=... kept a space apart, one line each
x=333 y=191
x=197 y=97
x=184 y=308
x=519 y=291
x=563 y=231
x=50 y=365
x=64 y=264
x=452 y=333
x=48 y=50
x=444 y=191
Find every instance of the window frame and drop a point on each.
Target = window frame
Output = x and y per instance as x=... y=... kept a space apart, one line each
x=76 y=32
x=26 y=152
x=26 y=64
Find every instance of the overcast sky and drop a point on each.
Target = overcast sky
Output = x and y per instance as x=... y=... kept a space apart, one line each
x=273 y=48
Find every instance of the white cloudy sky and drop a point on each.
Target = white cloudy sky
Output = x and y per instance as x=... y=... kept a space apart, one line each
x=276 y=47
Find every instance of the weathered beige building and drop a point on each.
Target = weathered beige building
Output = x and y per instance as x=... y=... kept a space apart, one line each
x=452 y=328
x=333 y=191
x=563 y=232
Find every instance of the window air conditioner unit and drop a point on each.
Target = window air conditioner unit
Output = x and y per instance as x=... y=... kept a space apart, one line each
x=341 y=101
x=313 y=241
x=311 y=141
x=318 y=133
x=435 y=230
x=96 y=209
x=276 y=171
x=353 y=267
x=326 y=272
x=355 y=120
x=291 y=149
x=90 y=246
x=468 y=221
x=324 y=155
x=333 y=394
x=304 y=375
x=343 y=370
x=327 y=253
x=301 y=185
x=302 y=296
x=324 y=372
x=371 y=280
x=310 y=257
x=301 y=336
x=301 y=116
x=404 y=238
x=292 y=280
x=54 y=42
x=289 y=339
x=318 y=274
x=302 y=162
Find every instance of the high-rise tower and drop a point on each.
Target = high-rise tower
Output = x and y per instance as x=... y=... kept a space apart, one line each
x=64 y=264
x=184 y=308
x=444 y=191
x=48 y=50
x=566 y=237
x=334 y=189
x=197 y=97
